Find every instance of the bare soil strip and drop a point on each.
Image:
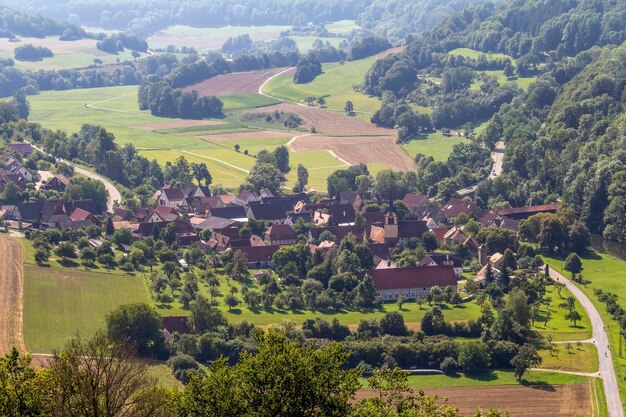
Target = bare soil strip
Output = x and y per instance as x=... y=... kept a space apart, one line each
x=520 y=401
x=358 y=149
x=11 y=294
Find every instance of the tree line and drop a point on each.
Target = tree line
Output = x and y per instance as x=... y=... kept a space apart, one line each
x=161 y=99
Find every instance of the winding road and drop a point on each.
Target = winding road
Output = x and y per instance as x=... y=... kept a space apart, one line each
x=601 y=339
x=114 y=193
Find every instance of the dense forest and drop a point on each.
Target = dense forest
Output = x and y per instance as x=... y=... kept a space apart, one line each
x=564 y=136
x=394 y=19
x=14 y=23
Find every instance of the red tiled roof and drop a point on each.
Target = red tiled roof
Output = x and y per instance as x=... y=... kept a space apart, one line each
x=79 y=214
x=413 y=277
x=280 y=232
x=440 y=232
x=414 y=200
x=173 y=194
x=259 y=253
x=454 y=207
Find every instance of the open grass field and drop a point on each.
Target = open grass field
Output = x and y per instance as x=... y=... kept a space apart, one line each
x=474 y=54
x=435 y=144
x=580 y=358
x=609 y=274
x=58 y=301
x=342 y=27
x=246 y=101
x=336 y=84
x=203 y=39
x=67 y=54
x=558 y=326
x=491 y=378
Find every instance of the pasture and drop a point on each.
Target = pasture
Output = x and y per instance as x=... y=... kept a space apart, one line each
x=67 y=54
x=435 y=144
x=336 y=84
x=59 y=301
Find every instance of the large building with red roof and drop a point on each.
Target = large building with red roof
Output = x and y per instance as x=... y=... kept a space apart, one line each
x=411 y=282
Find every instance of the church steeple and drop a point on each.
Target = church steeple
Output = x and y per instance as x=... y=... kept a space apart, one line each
x=391 y=222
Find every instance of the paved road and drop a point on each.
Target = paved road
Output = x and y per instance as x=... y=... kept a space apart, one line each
x=497 y=156
x=114 y=193
x=607 y=371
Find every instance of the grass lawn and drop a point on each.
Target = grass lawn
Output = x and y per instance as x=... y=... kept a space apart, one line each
x=489 y=378
x=583 y=358
x=558 y=326
x=435 y=144
x=245 y=101
x=58 y=301
x=335 y=84
x=474 y=54
x=164 y=376
x=599 y=399
x=609 y=274
x=211 y=38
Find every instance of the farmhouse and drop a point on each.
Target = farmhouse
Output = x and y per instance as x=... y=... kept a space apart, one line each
x=57 y=183
x=416 y=202
x=455 y=207
x=281 y=234
x=411 y=282
x=259 y=256
x=21 y=148
x=443 y=259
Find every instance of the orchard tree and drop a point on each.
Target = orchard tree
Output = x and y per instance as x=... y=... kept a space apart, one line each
x=527 y=357
x=573 y=264
x=349 y=108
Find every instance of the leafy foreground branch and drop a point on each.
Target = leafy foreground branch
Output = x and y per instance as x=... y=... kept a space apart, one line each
x=284 y=378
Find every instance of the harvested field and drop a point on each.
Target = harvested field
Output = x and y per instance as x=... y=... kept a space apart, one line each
x=245 y=136
x=233 y=83
x=391 y=51
x=328 y=122
x=358 y=149
x=11 y=295
x=176 y=124
x=547 y=400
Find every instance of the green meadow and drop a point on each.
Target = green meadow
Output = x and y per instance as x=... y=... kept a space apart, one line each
x=336 y=84
x=60 y=301
x=435 y=144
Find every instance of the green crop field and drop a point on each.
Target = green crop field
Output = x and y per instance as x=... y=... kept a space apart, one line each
x=67 y=54
x=435 y=144
x=609 y=274
x=246 y=101
x=335 y=84
x=211 y=38
x=58 y=301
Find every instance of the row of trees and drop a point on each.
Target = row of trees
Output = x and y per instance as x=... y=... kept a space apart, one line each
x=29 y=52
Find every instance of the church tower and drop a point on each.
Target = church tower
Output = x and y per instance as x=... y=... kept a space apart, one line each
x=391 y=222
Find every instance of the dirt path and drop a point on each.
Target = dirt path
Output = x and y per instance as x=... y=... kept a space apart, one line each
x=11 y=295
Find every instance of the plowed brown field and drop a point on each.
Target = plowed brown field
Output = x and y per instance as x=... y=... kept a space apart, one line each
x=11 y=294
x=358 y=149
x=328 y=122
x=233 y=83
x=520 y=401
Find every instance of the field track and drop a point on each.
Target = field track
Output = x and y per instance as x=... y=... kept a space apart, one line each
x=11 y=294
x=234 y=83
x=358 y=149
x=520 y=401
x=246 y=136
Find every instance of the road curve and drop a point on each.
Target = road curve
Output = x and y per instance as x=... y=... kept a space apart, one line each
x=607 y=371
x=114 y=193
